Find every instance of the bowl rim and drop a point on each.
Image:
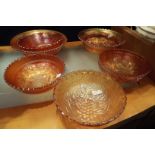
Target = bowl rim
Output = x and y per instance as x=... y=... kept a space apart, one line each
x=37 y=89
x=124 y=103
x=147 y=31
x=15 y=39
x=126 y=78
x=102 y=29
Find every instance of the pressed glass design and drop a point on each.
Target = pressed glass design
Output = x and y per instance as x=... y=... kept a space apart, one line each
x=89 y=97
x=124 y=65
x=39 y=42
x=98 y=40
x=35 y=73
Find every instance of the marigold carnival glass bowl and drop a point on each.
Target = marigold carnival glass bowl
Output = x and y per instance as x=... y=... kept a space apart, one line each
x=124 y=65
x=35 y=73
x=39 y=42
x=89 y=98
x=98 y=40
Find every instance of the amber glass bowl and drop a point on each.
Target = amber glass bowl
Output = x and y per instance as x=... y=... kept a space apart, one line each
x=124 y=65
x=39 y=42
x=35 y=73
x=99 y=40
x=89 y=97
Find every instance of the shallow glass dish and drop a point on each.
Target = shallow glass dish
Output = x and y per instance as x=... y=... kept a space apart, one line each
x=124 y=65
x=35 y=73
x=89 y=97
x=98 y=40
x=39 y=42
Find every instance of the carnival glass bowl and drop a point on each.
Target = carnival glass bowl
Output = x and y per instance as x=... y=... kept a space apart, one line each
x=89 y=97
x=39 y=42
x=124 y=65
x=35 y=73
x=98 y=40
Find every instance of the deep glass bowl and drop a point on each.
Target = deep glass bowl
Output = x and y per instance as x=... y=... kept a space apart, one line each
x=124 y=65
x=99 y=40
x=89 y=98
x=34 y=74
x=39 y=42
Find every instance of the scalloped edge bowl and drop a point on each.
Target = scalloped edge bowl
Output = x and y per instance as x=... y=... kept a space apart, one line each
x=15 y=67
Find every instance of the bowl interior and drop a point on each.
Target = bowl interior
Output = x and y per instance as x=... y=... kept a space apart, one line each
x=34 y=72
x=124 y=64
x=89 y=97
x=101 y=38
x=38 y=40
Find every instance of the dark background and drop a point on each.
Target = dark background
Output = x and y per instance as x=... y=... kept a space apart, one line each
x=7 y=32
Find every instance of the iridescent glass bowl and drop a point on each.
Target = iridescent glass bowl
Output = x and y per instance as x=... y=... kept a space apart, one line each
x=124 y=65
x=89 y=98
x=99 y=40
x=35 y=73
x=39 y=42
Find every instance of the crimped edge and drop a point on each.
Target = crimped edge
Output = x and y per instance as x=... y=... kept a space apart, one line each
x=91 y=124
x=32 y=90
x=50 y=51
